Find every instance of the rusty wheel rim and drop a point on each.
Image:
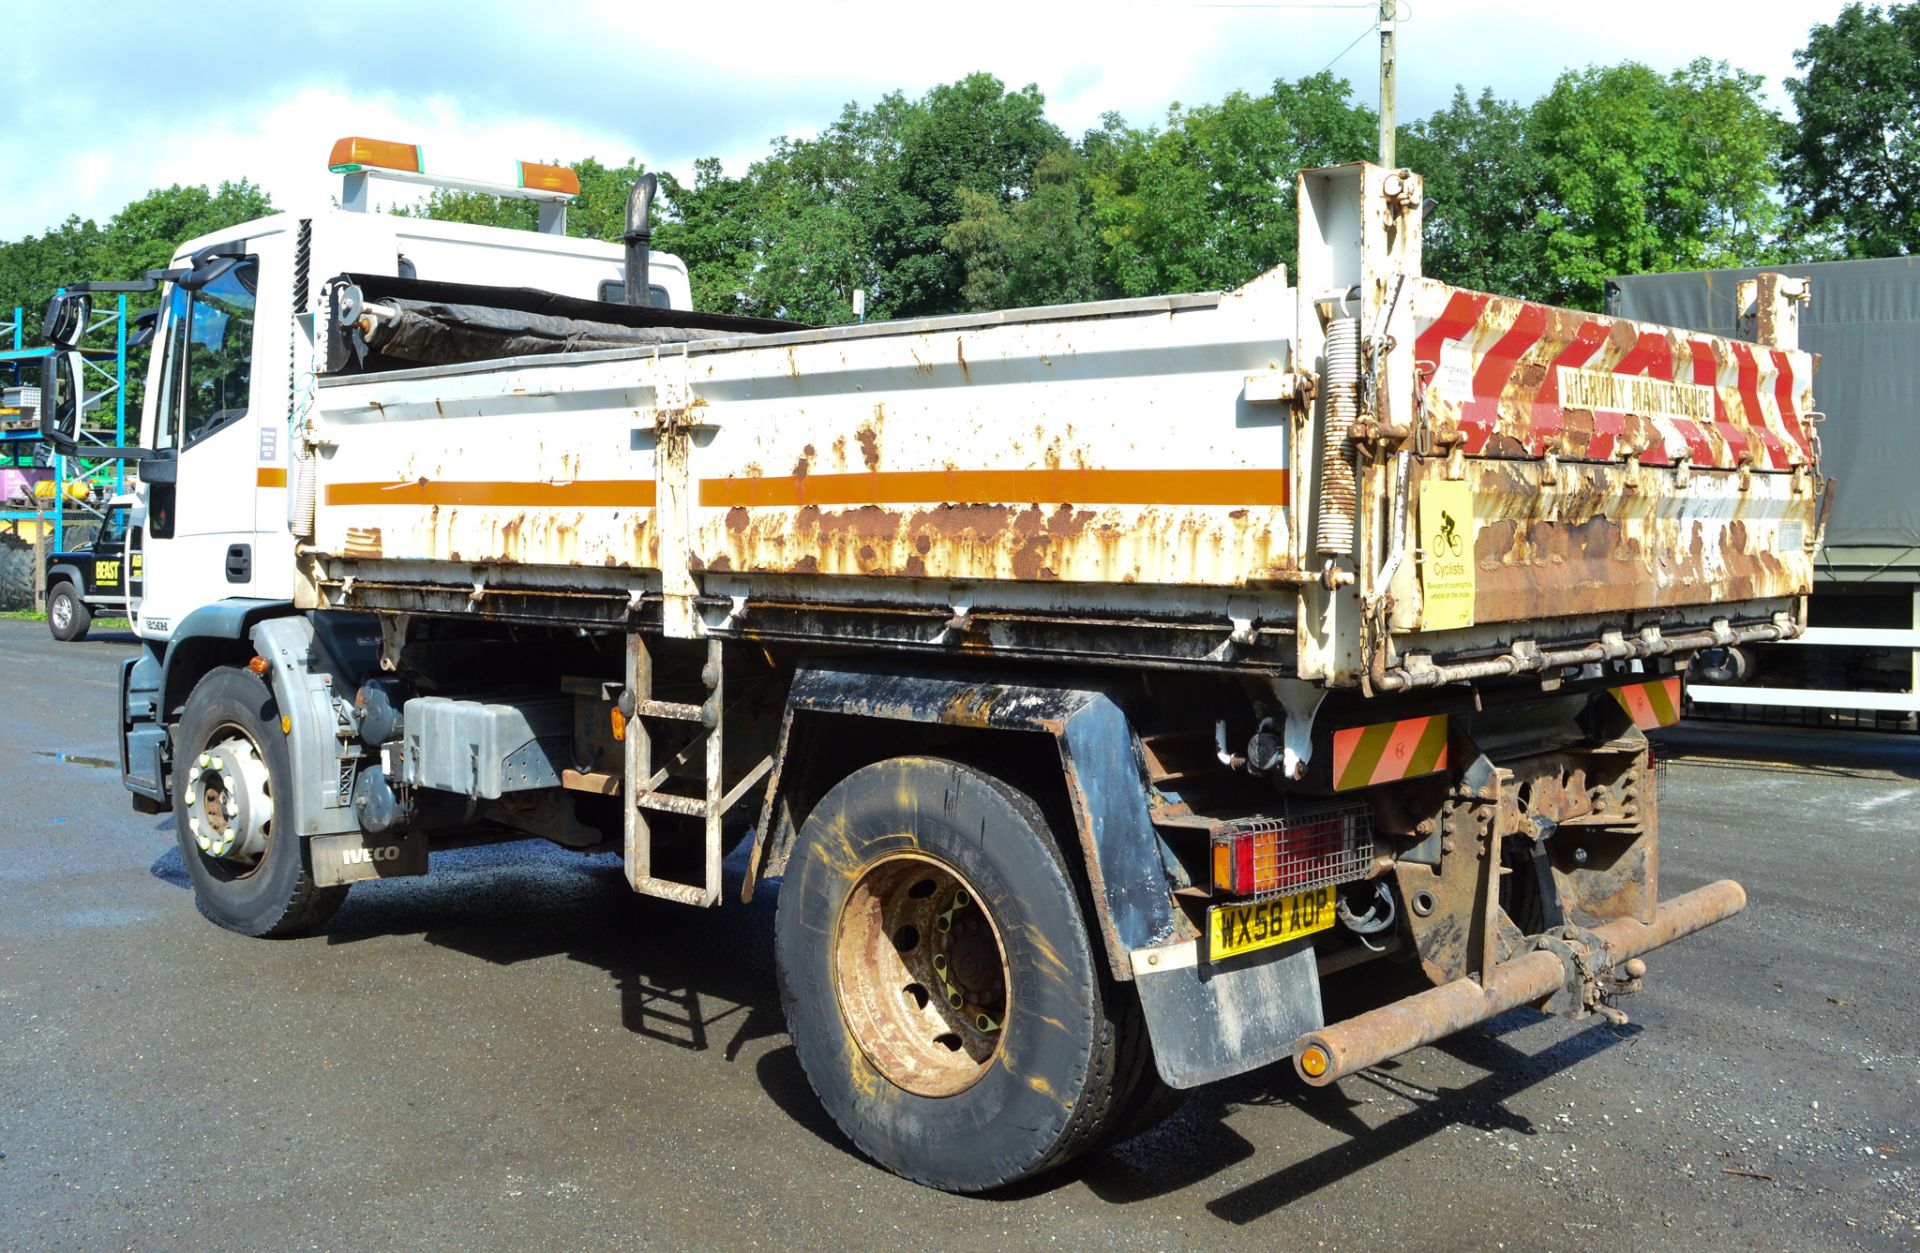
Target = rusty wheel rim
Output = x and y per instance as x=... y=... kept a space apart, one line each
x=920 y=974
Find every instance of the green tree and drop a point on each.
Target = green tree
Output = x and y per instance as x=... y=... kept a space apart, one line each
x=598 y=212
x=1208 y=202
x=1854 y=161
x=34 y=267
x=1488 y=187
x=1039 y=250
x=142 y=236
x=866 y=204
x=1648 y=173
x=960 y=143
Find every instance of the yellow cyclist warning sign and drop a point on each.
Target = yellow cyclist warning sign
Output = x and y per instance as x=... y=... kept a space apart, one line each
x=1446 y=553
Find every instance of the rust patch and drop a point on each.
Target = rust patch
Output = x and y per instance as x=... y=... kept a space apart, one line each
x=1067 y=523
x=872 y=523
x=363 y=541
x=914 y=568
x=960 y=352
x=720 y=564
x=959 y=520
x=738 y=519
x=869 y=446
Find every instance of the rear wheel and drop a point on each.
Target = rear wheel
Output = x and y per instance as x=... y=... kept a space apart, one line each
x=230 y=763
x=67 y=615
x=940 y=983
x=16 y=574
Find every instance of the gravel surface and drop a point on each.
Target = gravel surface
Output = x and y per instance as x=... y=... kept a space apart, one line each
x=515 y=1051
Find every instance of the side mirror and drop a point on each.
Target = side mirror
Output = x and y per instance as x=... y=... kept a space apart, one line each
x=159 y=465
x=62 y=398
x=142 y=327
x=66 y=322
x=63 y=402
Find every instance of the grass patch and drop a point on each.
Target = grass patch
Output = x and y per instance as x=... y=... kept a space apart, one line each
x=40 y=615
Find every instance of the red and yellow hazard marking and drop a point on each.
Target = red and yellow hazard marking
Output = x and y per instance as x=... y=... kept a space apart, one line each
x=1508 y=373
x=1652 y=704
x=1386 y=751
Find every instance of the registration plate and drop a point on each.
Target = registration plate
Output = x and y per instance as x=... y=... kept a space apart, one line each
x=1235 y=929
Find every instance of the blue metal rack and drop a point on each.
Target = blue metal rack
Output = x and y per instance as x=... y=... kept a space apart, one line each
x=108 y=367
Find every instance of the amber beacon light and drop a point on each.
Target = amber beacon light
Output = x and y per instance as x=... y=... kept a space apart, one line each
x=537 y=177
x=356 y=153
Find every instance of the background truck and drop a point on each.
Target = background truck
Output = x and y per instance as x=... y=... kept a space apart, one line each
x=1859 y=659
x=86 y=582
x=1094 y=681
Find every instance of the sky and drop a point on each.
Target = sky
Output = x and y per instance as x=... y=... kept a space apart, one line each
x=101 y=109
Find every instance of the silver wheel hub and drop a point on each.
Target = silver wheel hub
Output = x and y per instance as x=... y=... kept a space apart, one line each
x=62 y=612
x=229 y=806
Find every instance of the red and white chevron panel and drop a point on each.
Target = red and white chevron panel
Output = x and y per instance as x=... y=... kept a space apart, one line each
x=1525 y=380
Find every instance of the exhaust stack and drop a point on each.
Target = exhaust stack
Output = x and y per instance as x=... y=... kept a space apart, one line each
x=639 y=239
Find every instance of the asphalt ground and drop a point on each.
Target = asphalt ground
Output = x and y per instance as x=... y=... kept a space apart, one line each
x=515 y=1051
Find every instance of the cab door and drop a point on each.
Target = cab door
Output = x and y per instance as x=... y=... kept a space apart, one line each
x=108 y=582
x=198 y=538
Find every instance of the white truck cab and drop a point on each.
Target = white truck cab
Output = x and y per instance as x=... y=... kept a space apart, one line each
x=234 y=354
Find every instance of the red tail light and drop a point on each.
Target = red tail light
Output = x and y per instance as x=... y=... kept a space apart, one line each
x=1274 y=856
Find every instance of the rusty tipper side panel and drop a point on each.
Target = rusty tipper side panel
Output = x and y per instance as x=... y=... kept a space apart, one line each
x=1369 y=477
x=1614 y=466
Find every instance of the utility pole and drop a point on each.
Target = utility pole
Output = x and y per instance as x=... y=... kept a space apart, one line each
x=1386 y=82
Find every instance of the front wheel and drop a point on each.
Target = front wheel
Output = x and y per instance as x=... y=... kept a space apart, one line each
x=241 y=850
x=940 y=983
x=67 y=615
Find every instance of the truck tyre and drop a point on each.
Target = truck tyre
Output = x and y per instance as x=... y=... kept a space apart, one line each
x=67 y=615
x=942 y=989
x=229 y=760
x=16 y=575
x=1145 y=1103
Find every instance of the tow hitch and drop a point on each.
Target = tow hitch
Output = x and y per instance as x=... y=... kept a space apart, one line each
x=1570 y=971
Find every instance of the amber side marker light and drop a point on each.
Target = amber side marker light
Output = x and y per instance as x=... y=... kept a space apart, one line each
x=356 y=152
x=258 y=665
x=558 y=178
x=1313 y=1060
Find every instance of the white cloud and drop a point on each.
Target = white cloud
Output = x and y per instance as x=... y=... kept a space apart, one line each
x=492 y=82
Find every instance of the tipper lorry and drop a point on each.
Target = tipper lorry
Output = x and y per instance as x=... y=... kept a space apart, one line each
x=1099 y=683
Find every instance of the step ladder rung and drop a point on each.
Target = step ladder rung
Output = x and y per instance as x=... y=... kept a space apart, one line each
x=644 y=775
x=666 y=802
x=676 y=710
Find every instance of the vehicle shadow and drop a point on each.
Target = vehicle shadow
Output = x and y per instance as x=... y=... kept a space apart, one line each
x=690 y=978
x=1197 y=1143
x=703 y=980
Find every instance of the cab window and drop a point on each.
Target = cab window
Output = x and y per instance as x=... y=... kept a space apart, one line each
x=211 y=348
x=113 y=529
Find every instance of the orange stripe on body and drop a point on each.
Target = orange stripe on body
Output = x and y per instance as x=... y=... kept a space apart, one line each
x=270 y=476
x=579 y=494
x=1106 y=487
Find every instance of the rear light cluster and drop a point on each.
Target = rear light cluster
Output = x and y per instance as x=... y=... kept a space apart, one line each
x=1266 y=857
